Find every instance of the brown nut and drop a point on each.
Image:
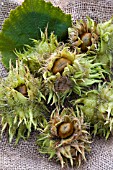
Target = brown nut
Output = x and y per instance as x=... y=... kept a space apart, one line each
x=22 y=89
x=65 y=130
x=86 y=38
x=60 y=64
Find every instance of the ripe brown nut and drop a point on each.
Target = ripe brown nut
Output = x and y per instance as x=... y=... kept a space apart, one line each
x=65 y=130
x=86 y=38
x=22 y=89
x=60 y=64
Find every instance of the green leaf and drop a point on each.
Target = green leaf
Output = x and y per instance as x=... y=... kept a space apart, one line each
x=25 y=23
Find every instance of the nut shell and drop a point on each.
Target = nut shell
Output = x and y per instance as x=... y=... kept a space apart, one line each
x=60 y=64
x=86 y=38
x=22 y=89
x=65 y=130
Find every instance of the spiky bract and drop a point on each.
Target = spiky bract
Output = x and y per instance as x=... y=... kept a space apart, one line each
x=21 y=102
x=65 y=136
x=83 y=36
x=65 y=72
x=89 y=37
x=97 y=106
x=105 y=47
x=34 y=57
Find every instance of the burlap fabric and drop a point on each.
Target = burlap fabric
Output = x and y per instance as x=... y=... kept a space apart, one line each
x=25 y=156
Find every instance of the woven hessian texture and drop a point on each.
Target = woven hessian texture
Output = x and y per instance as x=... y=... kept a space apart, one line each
x=25 y=156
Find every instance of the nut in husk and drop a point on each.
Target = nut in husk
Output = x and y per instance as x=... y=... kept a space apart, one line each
x=65 y=137
x=21 y=102
x=97 y=106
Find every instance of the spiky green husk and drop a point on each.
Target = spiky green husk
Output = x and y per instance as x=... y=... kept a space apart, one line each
x=34 y=57
x=97 y=106
x=71 y=148
x=105 y=47
x=20 y=113
x=82 y=73
x=78 y=30
x=101 y=40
